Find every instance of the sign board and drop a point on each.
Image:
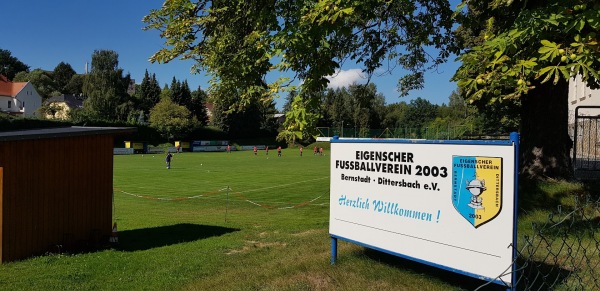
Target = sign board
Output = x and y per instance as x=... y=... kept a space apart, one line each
x=209 y=148
x=449 y=204
x=122 y=151
x=210 y=143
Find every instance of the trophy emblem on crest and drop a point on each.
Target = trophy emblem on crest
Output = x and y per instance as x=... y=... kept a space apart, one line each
x=476 y=187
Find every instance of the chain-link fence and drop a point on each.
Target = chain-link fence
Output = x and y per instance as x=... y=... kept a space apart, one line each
x=440 y=132
x=563 y=252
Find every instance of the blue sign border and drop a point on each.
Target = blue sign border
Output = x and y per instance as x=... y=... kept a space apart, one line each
x=513 y=141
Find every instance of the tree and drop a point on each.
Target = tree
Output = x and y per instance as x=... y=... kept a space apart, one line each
x=40 y=79
x=185 y=99
x=395 y=115
x=171 y=120
x=105 y=87
x=236 y=41
x=460 y=118
x=62 y=75
x=368 y=109
x=165 y=93
x=175 y=91
x=336 y=108
x=527 y=53
x=149 y=92
x=420 y=112
x=289 y=99
x=255 y=121
x=197 y=107
x=75 y=85
x=10 y=66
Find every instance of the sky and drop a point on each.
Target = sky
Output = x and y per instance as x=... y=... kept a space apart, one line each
x=43 y=33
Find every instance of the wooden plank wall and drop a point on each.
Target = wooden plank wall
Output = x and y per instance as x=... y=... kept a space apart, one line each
x=57 y=195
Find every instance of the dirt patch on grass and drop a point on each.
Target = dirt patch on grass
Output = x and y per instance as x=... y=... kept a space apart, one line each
x=306 y=233
x=253 y=245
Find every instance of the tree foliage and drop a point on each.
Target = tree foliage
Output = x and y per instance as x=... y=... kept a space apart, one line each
x=197 y=106
x=41 y=80
x=149 y=92
x=359 y=106
x=239 y=42
x=106 y=88
x=10 y=65
x=75 y=85
x=171 y=120
x=257 y=120
x=526 y=53
x=62 y=75
x=546 y=41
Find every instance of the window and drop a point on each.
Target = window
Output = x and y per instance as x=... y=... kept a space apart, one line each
x=9 y=103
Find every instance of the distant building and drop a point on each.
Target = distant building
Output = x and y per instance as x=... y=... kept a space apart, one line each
x=58 y=107
x=210 y=107
x=19 y=98
x=131 y=87
x=280 y=118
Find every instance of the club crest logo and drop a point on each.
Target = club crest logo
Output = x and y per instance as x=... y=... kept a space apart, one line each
x=477 y=188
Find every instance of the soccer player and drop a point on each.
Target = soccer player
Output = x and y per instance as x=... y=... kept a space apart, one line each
x=279 y=151
x=267 y=150
x=168 y=160
x=301 y=149
x=228 y=149
x=255 y=150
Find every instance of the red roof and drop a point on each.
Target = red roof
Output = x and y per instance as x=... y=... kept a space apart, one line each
x=8 y=88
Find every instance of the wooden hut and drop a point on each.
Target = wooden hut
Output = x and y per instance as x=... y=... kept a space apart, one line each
x=56 y=189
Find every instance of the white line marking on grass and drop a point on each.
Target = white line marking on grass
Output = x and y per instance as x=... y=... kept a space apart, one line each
x=282 y=185
x=254 y=203
x=302 y=204
x=246 y=191
x=158 y=198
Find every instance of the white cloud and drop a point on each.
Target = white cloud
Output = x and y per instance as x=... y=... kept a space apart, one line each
x=344 y=78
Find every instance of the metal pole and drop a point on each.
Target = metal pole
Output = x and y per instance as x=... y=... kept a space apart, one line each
x=333 y=250
x=226 y=203
x=575 y=139
x=514 y=137
x=227 y=207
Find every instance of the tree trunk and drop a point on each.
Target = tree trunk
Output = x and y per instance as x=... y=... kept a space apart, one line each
x=545 y=142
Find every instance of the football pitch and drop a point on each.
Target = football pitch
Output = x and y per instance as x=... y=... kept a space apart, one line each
x=219 y=187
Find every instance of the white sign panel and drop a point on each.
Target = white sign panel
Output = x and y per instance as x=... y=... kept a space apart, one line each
x=450 y=205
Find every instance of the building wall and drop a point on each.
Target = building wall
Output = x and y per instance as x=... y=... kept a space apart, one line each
x=29 y=101
x=26 y=102
x=4 y=100
x=56 y=194
x=581 y=95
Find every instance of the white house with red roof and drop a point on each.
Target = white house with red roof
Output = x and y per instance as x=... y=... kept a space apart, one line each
x=19 y=98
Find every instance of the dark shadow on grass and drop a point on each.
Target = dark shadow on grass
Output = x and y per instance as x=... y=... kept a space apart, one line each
x=532 y=197
x=535 y=275
x=460 y=281
x=148 y=238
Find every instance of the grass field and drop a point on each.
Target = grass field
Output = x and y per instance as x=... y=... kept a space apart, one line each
x=218 y=221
